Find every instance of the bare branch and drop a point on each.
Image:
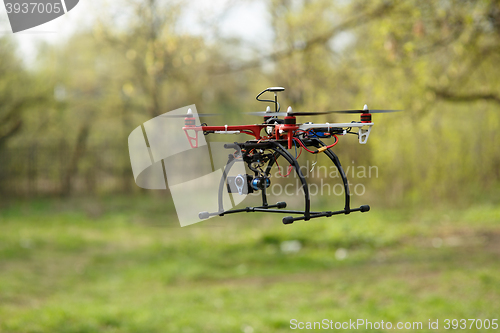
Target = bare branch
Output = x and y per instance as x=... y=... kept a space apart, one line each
x=7 y=133
x=354 y=21
x=455 y=97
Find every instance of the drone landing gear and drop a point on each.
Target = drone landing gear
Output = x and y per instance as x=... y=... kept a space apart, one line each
x=291 y=219
x=266 y=209
x=287 y=219
x=279 y=150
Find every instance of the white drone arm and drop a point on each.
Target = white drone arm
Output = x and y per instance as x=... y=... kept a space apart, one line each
x=363 y=128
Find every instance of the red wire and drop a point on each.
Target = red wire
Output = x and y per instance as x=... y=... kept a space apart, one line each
x=302 y=145
x=300 y=152
x=312 y=152
x=279 y=170
x=333 y=144
x=289 y=167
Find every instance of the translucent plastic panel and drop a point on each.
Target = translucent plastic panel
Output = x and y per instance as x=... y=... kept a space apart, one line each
x=194 y=175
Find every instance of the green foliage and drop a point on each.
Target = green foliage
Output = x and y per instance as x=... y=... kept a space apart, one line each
x=437 y=60
x=123 y=264
x=20 y=93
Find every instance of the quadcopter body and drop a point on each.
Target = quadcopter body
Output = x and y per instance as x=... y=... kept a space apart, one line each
x=271 y=140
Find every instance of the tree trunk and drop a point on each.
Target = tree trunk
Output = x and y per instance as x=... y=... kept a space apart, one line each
x=78 y=153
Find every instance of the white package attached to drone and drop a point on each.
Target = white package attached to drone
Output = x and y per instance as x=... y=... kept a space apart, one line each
x=194 y=171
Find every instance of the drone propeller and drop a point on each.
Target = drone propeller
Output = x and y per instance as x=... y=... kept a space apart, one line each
x=190 y=114
x=316 y=113
x=362 y=111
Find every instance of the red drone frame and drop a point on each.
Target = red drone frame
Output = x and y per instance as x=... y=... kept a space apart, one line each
x=263 y=151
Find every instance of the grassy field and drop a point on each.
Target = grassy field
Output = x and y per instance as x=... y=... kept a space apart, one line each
x=124 y=265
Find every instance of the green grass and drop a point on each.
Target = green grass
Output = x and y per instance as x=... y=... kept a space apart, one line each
x=124 y=265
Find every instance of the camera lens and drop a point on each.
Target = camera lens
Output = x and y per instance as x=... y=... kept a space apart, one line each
x=239 y=181
x=260 y=183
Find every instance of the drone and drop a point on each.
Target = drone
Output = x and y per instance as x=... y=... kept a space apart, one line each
x=272 y=139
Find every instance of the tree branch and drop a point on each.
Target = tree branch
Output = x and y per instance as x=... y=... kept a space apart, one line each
x=354 y=21
x=455 y=97
x=6 y=134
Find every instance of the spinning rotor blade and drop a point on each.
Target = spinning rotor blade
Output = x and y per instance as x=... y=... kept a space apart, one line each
x=284 y=114
x=360 y=111
x=200 y=115
x=267 y=114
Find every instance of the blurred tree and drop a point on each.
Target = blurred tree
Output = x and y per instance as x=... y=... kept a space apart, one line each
x=437 y=52
x=164 y=68
x=436 y=59
x=416 y=55
x=110 y=79
x=19 y=92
